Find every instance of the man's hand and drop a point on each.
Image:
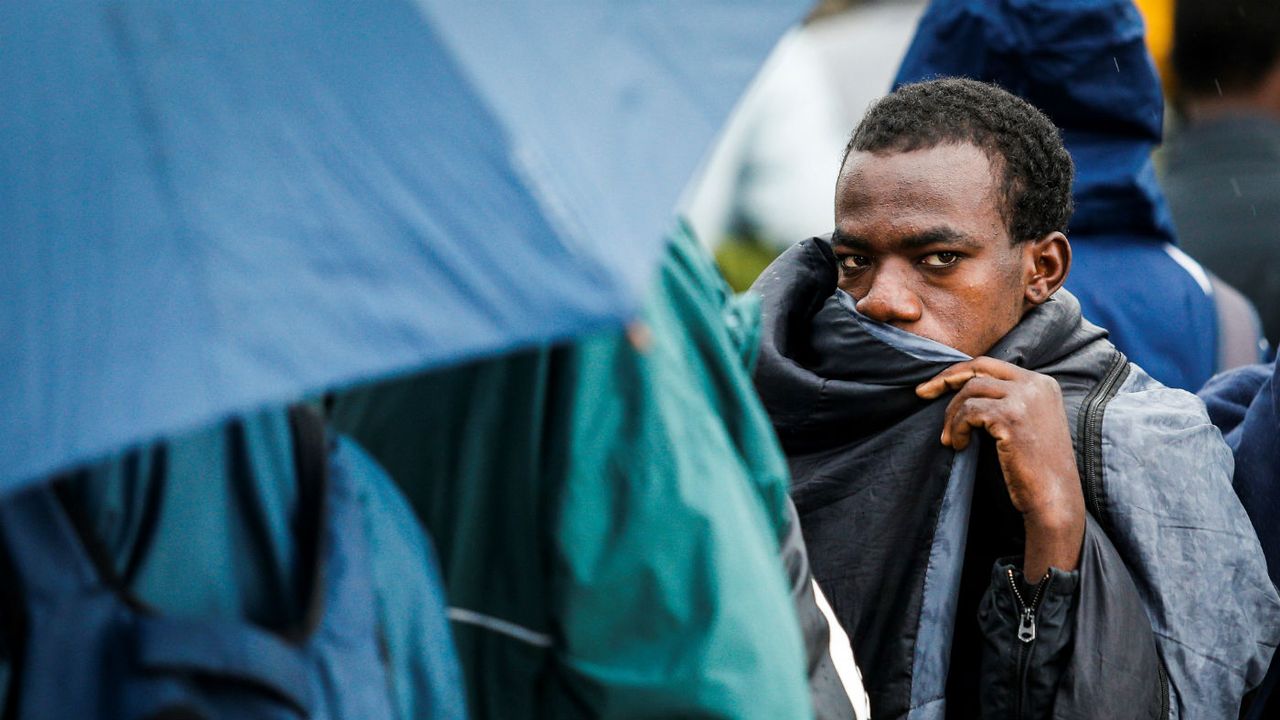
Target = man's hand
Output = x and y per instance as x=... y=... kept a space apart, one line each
x=1023 y=412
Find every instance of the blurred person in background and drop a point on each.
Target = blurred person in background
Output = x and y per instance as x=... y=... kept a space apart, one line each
x=769 y=176
x=1222 y=169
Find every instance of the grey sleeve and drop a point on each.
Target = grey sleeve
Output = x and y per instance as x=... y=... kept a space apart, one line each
x=1167 y=503
x=1076 y=645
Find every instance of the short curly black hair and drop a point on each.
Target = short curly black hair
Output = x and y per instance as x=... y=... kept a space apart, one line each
x=1021 y=142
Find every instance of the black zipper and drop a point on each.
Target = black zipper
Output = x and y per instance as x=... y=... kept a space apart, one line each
x=1026 y=633
x=1090 y=430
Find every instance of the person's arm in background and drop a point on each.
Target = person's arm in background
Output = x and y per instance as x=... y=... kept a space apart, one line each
x=1244 y=405
x=670 y=598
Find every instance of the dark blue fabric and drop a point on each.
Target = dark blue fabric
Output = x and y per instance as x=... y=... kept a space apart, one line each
x=89 y=651
x=1245 y=405
x=1084 y=63
x=204 y=526
x=1229 y=396
x=1155 y=311
x=212 y=207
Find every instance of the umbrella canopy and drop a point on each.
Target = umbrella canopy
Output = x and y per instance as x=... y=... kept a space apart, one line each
x=211 y=206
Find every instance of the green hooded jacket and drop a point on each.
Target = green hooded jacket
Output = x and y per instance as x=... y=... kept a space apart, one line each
x=607 y=514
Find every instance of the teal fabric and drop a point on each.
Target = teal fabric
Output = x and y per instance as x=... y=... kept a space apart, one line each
x=607 y=514
x=200 y=526
x=220 y=497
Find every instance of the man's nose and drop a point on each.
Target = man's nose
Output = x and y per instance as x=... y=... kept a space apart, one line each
x=890 y=300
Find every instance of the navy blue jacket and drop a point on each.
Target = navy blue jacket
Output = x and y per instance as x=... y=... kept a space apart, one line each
x=1245 y=405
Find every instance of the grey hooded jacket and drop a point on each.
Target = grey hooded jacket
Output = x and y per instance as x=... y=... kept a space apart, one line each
x=1171 y=612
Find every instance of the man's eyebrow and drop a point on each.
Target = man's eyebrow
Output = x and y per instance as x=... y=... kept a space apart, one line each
x=839 y=239
x=933 y=236
x=940 y=236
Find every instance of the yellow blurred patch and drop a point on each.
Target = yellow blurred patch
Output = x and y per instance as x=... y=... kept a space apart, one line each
x=1158 y=15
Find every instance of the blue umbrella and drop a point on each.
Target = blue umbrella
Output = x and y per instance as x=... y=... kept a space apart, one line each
x=212 y=206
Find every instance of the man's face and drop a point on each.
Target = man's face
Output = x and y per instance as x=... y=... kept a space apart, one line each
x=922 y=246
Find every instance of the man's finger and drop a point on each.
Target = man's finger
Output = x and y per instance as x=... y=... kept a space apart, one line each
x=979 y=388
x=952 y=378
x=973 y=413
x=955 y=377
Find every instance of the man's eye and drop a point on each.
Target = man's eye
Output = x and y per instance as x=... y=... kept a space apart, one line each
x=853 y=262
x=940 y=259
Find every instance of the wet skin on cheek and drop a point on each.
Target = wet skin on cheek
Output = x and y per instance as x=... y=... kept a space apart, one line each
x=931 y=249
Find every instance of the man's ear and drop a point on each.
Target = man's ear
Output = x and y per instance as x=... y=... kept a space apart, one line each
x=1046 y=263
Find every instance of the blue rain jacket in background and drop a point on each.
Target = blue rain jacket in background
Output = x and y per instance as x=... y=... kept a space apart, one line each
x=1084 y=63
x=1245 y=405
x=203 y=526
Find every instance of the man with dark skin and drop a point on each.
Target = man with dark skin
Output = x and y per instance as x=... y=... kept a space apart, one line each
x=920 y=243
x=1008 y=518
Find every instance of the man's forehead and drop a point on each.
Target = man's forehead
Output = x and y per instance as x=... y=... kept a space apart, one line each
x=955 y=166
x=948 y=187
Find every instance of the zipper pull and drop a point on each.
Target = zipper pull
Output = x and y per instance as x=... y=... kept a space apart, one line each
x=1027 y=626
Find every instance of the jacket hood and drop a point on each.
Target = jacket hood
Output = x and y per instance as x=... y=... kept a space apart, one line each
x=829 y=374
x=1085 y=65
